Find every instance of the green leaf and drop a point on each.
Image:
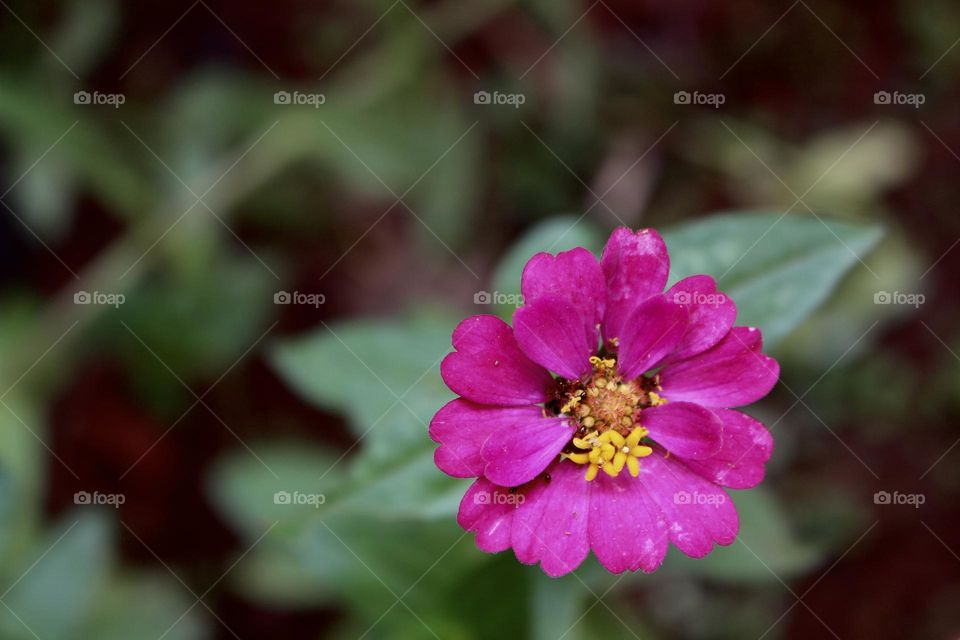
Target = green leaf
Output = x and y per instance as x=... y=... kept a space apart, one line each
x=146 y=607
x=59 y=579
x=556 y=605
x=382 y=375
x=309 y=555
x=197 y=323
x=777 y=270
x=245 y=488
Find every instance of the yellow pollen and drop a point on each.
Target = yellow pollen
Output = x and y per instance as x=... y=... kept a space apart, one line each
x=656 y=399
x=572 y=403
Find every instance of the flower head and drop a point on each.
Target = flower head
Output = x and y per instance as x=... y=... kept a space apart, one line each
x=602 y=420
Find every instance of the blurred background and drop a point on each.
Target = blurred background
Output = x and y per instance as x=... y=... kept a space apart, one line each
x=235 y=238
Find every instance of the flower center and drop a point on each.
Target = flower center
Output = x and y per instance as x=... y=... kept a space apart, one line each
x=607 y=409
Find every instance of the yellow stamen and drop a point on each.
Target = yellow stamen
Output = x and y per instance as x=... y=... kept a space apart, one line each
x=611 y=452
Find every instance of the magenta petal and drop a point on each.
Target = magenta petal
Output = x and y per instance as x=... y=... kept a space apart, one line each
x=712 y=314
x=627 y=529
x=733 y=373
x=520 y=453
x=487 y=510
x=489 y=368
x=684 y=429
x=651 y=332
x=461 y=427
x=747 y=446
x=699 y=512
x=551 y=525
x=635 y=266
x=574 y=276
x=551 y=333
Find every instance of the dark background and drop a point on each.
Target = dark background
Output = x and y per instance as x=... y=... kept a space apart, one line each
x=149 y=399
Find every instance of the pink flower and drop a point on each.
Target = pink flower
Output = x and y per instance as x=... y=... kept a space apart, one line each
x=602 y=420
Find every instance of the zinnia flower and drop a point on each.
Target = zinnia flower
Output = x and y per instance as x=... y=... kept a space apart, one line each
x=603 y=419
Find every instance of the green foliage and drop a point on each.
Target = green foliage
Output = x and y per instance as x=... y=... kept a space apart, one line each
x=777 y=270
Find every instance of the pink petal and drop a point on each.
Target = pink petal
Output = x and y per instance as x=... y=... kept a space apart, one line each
x=739 y=464
x=651 y=332
x=487 y=510
x=684 y=429
x=550 y=526
x=712 y=314
x=489 y=368
x=731 y=374
x=551 y=333
x=635 y=266
x=699 y=512
x=627 y=529
x=520 y=453
x=461 y=427
x=574 y=276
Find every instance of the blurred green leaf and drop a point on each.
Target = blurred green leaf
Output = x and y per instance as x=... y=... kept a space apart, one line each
x=777 y=270
x=385 y=516
x=146 y=607
x=245 y=489
x=556 y=606
x=32 y=118
x=84 y=36
x=197 y=323
x=58 y=581
x=342 y=548
x=381 y=374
